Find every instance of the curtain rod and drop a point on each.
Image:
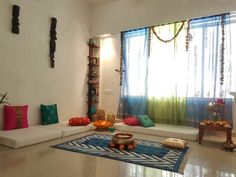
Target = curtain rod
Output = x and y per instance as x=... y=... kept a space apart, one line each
x=211 y=16
x=163 y=24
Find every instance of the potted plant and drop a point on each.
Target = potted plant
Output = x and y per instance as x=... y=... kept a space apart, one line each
x=3 y=98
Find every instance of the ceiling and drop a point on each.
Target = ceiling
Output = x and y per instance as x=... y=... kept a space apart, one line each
x=98 y=2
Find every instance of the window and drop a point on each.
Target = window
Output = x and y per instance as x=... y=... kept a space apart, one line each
x=135 y=54
x=173 y=80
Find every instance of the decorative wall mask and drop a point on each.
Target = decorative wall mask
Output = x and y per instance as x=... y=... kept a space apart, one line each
x=15 y=19
x=53 y=36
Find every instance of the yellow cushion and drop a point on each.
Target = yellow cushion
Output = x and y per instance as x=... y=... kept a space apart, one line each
x=175 y=143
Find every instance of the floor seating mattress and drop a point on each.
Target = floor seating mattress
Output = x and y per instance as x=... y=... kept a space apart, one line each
x=28 y=136
x=69 y=130
x=164 y=130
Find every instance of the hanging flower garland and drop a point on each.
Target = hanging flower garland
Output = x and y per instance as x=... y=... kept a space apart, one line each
x=168 y=40
x=222 y=49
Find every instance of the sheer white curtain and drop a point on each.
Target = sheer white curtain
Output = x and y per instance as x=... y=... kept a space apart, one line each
x=210 y=67
x=168 y=63
x=181 y=83
x=205 y=57
x=167 y=79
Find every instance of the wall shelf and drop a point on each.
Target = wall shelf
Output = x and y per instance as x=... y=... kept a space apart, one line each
x=92 y=102
x=93 y=75
x=94 y=46
x=91 y=64
x=93 y=78
x=93 y=83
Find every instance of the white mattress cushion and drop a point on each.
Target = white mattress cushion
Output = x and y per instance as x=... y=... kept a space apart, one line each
x=68 y=130
x=165 y=130
x=27 y=136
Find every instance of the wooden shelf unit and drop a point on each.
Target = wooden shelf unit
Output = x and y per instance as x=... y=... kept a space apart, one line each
x=93 y=78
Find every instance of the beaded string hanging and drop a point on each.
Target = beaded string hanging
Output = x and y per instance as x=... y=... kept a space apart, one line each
x=149 y=41
x=222 y=54
x=187 y=35
x=168 y=40
x=121 y=57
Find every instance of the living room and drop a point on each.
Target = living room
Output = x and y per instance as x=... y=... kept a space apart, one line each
x=28 y=78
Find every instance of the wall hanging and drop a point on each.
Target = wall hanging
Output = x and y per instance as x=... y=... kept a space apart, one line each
x=53 y=38
x=15 y=19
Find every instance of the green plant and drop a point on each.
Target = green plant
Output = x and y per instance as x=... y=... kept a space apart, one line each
x=3 y=98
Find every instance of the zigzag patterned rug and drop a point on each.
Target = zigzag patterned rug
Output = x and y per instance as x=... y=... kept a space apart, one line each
x=147 y=153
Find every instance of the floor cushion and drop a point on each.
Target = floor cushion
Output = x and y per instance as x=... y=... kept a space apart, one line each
x=145 y=121
x=175 y=143
x=15 y=117
x=131 y=120
x=49 y=114
x=79 y=121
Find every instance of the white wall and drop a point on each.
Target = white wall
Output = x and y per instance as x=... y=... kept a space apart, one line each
x=110 y=79
x=25 y=71
x=128 y=14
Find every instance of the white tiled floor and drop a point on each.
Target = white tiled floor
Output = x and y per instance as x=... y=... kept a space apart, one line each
x=40 y=160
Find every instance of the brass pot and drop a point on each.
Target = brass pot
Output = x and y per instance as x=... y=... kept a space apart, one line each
x=122 y=138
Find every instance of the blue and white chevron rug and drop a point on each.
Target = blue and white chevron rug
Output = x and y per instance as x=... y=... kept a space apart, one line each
x=147 y=153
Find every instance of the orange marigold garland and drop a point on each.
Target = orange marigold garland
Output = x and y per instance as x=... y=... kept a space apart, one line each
x=168 y=40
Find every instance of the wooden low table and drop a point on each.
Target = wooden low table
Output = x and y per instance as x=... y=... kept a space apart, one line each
x=214 y=127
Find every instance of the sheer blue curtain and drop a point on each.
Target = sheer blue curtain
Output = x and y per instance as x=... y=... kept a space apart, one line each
x=209 y=67
x=133 y=98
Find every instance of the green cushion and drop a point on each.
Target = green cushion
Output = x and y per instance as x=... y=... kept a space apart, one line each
x=49 y=114
x=145 y=121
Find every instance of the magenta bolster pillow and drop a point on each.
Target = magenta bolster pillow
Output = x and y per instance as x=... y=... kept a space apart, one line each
x=131 y=120
x=15 y=117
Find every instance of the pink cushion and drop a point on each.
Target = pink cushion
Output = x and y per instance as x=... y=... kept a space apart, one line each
x=131 y=120
x=15 y=117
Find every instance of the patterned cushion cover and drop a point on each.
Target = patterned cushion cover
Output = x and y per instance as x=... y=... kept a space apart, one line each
x=15 y=117
x=49 y=114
